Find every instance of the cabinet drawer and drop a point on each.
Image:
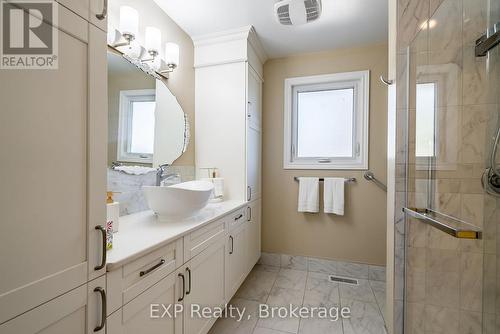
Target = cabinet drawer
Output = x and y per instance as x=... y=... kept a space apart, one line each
x=199 y=240
x=129 y=281
x=237 y=218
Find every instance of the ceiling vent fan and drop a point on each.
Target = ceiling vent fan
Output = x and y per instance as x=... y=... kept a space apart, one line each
x=295 y=12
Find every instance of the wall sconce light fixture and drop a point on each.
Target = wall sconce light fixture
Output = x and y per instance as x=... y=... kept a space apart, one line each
x=129 y=25
x=171 y=57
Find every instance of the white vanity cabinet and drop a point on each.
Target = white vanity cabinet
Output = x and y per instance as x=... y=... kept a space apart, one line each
x=228 y=99
x=202 y=268
x=53 y=124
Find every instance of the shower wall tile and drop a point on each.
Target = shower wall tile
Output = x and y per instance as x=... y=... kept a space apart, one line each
x=441 y=320
x=446 y=30
x=474 y=125
x=442 y=289
x=412 y=14
x=475 y=18
x=478 y=86
x=470 y=322
x=471 y=284
x=415 y=320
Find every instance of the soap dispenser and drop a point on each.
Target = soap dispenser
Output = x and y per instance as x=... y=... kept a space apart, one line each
x=113 y=211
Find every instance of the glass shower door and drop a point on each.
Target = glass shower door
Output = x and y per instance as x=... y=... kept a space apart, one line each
x=452 y=211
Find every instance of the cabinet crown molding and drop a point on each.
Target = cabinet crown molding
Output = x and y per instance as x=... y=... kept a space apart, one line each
x=227 y=47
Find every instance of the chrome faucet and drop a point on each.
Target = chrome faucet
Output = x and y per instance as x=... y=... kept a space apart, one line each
x=161 y=176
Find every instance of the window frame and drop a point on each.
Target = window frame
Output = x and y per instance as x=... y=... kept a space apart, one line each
x=357 y=80
x=127 y=97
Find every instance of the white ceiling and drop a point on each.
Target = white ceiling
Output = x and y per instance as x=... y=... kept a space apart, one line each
x=344 y=23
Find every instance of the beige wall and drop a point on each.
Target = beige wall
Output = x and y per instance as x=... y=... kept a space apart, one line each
x=360 y=235
x=181 y=81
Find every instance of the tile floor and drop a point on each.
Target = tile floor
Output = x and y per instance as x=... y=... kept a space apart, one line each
x=278 y=286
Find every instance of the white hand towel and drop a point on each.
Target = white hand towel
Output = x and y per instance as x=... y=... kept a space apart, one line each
x=308 y=194
x=333 y=196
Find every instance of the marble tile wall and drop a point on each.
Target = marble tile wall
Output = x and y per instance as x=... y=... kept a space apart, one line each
x=444 y=275
x=129 y=190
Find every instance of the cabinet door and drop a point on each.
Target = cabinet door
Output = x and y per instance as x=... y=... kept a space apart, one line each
x=205 y=287
x=43 y=199
x=144 y=314
x=236 y=259
x=254 y=135
x=254 y=233
x=65 y=314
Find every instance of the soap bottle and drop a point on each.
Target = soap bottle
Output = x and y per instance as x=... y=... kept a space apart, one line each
x=113 y=212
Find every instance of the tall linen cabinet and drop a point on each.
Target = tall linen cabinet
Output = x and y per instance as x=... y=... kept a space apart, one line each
x=53 y=126
x=228 y=125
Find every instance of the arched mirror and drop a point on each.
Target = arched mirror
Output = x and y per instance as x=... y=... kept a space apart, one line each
x=147 y=125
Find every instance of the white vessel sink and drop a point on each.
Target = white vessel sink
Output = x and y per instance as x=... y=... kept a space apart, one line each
x=178 y=201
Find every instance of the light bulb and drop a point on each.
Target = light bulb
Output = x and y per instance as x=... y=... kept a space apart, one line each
x=129 y=21
x=153 y=40
x=172 y=54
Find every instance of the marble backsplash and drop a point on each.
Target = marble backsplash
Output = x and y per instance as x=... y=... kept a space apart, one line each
x=129 y=187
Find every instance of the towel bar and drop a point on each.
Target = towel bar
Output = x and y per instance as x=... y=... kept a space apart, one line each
x=321 y=179
x=461 y=230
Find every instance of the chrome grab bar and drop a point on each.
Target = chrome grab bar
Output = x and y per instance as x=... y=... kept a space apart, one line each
x=371 y=177
x=435 y=219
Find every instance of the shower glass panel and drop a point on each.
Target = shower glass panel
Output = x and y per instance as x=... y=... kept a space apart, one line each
x=452 y=212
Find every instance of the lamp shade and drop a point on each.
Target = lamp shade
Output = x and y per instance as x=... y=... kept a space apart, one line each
x=172 y=54
x=129 y=21
x=153 y=39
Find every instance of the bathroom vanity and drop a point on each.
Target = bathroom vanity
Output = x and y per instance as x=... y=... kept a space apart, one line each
x=201 y=260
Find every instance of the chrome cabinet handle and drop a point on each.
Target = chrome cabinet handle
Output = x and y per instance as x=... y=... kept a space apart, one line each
x=249 y=193
x=183 y=287
x=189 y=281
x=249 y=213
x=232 y=245
x=104 y=12
x=103 y=259
x=385 y=81
x=156 y=266
x=103 y=308
x=239 y=217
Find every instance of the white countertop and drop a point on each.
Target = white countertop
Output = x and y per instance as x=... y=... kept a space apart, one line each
x=142 y=232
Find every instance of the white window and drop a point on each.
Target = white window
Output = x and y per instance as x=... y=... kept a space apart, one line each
x=136 y=125
x=425 y=144
x=326 y=121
